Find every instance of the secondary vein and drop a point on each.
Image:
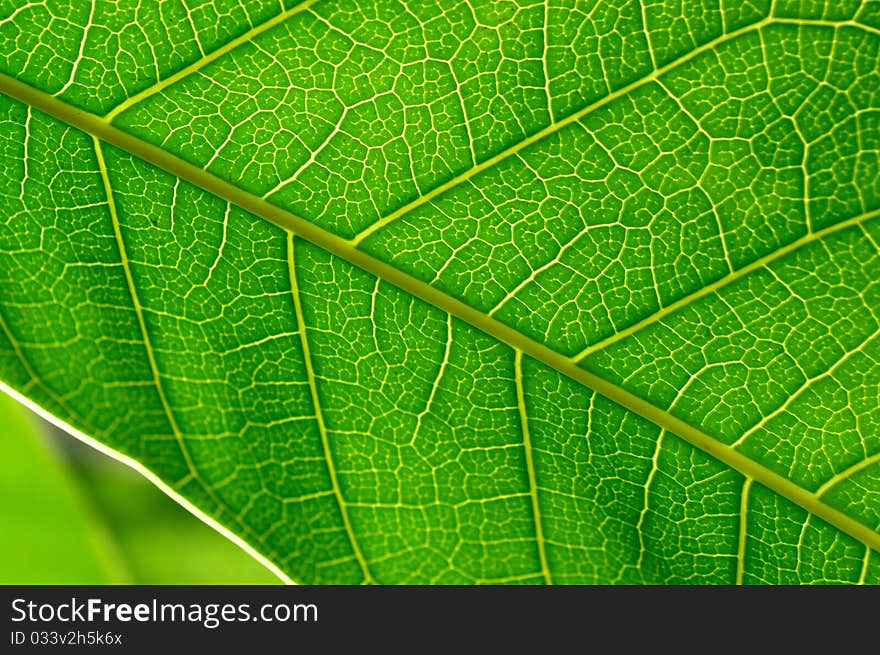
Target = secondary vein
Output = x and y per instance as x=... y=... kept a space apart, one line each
x=743 y=530
x=194 y=473
x=207 y=59
x=530 y=468
x=689 y=299
x=319 y=415
x=553 y=128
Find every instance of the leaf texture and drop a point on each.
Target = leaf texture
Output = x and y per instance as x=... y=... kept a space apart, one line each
x=474 y=292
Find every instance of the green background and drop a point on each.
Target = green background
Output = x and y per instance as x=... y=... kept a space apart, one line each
x=72 y=515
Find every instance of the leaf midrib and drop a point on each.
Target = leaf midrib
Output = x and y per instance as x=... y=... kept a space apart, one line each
x=101 y=129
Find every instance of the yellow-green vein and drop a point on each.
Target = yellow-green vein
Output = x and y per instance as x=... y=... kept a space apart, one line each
x=530 y=468
x=866 y=561
x=551 y=129
x=194 y=473
x=739 y=273
x=207 y=59
x=743 y=530
x=319 y=414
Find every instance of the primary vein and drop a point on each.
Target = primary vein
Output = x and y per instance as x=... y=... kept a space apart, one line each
x=336 y=245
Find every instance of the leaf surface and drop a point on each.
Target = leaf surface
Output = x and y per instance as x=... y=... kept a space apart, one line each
x=479 y=292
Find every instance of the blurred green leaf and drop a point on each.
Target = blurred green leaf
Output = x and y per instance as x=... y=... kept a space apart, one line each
x=47 y=533
x=162 y=542
x=87 y=519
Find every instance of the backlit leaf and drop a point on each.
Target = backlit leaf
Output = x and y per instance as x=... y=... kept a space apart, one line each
x=465 y=291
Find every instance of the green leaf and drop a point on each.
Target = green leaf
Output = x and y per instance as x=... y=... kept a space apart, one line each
x=463 y=292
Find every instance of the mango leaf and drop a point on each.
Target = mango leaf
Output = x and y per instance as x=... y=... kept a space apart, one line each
x=462 y=292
